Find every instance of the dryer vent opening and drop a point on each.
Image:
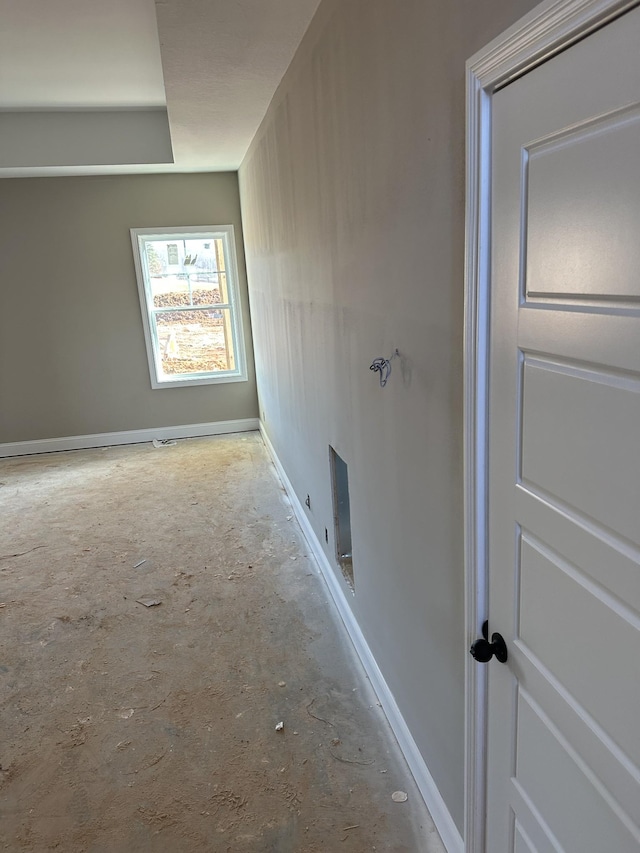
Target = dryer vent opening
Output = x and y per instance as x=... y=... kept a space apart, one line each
x=342 y=515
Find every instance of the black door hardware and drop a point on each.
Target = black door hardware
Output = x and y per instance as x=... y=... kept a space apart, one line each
x=483 y=650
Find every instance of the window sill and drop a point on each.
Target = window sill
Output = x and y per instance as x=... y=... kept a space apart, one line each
x=185 y=381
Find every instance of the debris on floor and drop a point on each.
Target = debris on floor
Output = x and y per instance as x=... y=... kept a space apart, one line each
x=164 y=442
x=21 y=553
x=399 y=797
x=351 y=760
x=315 y=716
x=123 y=732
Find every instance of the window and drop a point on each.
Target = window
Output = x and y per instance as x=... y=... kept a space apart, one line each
x=188 y=287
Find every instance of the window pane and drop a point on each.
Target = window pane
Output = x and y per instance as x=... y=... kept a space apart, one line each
x=195 y=341
x=175 y=291
x=185 y=272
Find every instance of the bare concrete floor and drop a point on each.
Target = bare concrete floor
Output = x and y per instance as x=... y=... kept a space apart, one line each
x=129 y=728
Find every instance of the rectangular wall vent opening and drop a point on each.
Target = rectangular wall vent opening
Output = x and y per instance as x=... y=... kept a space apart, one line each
x=342 y=515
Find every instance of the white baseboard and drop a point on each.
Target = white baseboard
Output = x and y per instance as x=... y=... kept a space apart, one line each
x=133 y=436
x=441 y=815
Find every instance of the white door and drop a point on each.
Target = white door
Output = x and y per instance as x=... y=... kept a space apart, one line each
x=564 y=472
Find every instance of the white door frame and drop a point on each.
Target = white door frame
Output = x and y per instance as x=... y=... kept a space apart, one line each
x=549 y=28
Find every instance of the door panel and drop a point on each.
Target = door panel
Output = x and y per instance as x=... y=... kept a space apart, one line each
x=602 y=557
x=550 y=590
x=522 y=841
x=569 y=333
x=564 y=468
x=583 y=193
x=577 y=442
x=584 y=817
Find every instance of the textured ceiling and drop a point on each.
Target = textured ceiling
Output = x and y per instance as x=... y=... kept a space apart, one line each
x=222 y=62
x=214 y=64
x=79 y=53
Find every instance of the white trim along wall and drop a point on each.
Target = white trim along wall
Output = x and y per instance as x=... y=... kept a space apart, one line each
x=133 y=436
x=550 y=28
x=441 y=815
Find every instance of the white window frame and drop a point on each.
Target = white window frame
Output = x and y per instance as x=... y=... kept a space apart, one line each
x=220 y=232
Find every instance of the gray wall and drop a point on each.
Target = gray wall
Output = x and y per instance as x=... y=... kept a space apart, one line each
x=353 y=207
x=72 y=352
